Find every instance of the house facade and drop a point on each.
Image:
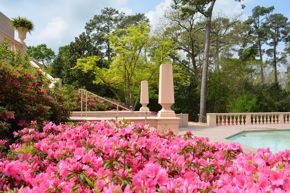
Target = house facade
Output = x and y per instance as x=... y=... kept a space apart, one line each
x=7 y=33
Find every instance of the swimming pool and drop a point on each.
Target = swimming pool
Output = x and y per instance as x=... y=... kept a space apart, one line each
x=276 y=140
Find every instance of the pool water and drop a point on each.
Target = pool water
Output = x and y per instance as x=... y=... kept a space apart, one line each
x=275 y=140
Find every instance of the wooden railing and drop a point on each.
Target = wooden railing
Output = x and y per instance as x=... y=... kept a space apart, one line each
x=215 y=119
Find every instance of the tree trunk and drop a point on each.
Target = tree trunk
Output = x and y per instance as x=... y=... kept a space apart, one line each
x=192 y=56
x=109 y=51
x=202 y=111
x=262 y=64
x=217 y=55
x=275 y=62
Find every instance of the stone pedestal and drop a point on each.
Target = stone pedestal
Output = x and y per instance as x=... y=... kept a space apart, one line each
x=166 y=91
x=165 y=125
x=22 y=34
x=211 y=119
x=144 y=96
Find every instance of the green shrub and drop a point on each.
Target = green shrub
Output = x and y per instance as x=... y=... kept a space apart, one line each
x=243 y=103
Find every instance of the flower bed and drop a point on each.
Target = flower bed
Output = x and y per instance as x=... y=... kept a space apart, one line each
x=119 y=157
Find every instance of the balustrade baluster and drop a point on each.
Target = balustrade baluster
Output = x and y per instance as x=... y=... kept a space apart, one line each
x=216 y=120
x=224 y=120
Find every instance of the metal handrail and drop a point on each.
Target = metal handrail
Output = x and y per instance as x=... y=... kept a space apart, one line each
x=86 y=92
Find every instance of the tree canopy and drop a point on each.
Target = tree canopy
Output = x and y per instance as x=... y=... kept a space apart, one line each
x=227 y=63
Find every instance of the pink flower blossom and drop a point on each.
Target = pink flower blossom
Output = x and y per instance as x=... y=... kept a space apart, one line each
x=10 y=116
x=21 y=123
x=114 y=157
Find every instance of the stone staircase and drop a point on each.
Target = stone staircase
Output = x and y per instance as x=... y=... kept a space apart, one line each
x=54 y=82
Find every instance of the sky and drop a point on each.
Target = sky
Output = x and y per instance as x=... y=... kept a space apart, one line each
x=58 y=22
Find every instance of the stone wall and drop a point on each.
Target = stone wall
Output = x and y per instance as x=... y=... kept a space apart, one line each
x=6 y=27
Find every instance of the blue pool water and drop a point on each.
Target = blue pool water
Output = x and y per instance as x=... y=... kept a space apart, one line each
x=275 y=140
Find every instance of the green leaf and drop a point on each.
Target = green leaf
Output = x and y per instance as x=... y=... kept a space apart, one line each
x=90 y=182
x=70 y=176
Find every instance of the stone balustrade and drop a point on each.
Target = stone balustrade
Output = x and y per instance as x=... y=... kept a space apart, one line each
x=216 y=119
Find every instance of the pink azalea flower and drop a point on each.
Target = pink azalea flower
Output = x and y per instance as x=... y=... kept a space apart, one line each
x=21 y=122
x=109 y=157
x=10 y=116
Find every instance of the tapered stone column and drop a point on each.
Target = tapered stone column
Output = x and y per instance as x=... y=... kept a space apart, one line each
x=166 y=91
x=144 y=96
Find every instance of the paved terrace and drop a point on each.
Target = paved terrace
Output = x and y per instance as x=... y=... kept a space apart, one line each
x=220 y=133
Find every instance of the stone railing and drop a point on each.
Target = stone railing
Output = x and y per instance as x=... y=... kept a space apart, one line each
x=100 y=115
x=216 y=119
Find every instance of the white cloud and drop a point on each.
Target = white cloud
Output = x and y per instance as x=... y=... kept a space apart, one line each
x=156 y=16
x=55 y=30
x=228 y=8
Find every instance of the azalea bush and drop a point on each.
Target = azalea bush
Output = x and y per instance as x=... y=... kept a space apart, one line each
x=5 y=119
x=120 y=157
x=24 y=95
